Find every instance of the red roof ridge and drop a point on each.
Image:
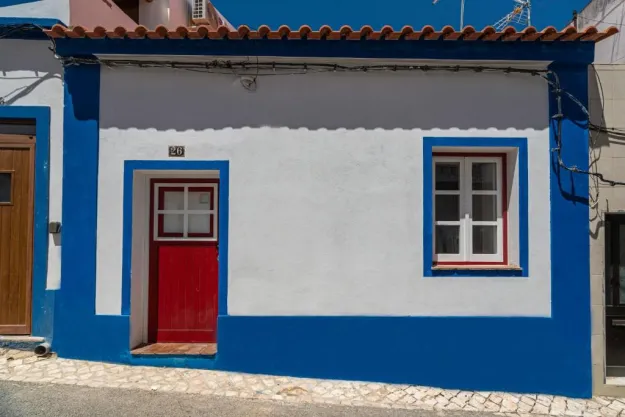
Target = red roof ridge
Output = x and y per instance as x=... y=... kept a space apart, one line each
x=427 y=32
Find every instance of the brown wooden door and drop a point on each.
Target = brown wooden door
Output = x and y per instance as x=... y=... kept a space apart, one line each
x=16 y=223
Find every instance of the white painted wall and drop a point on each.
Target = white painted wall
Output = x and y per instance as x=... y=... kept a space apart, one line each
x=326 y=183
x=603 y=14
x=41 y=9
x=31 y=76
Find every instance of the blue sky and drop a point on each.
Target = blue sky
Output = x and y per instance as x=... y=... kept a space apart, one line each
x=397 y=13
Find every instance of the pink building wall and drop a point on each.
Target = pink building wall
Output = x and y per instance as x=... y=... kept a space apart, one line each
x=179 y=13
x=91 y=13
x=170 y=13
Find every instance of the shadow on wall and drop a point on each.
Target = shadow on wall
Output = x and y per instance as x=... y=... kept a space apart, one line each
x=19 y=60
x=17 y=93
x=604 y=13
x=165 y=99
x=607 y=135
x=29 y=55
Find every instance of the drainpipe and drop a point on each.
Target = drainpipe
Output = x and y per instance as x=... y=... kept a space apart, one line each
x=42 y=349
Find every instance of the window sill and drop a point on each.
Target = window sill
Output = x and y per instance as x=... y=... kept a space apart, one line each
x=476 y=271
x=476 y=268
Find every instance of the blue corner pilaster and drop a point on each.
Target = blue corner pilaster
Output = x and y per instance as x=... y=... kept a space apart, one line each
x=570 y=224
x=77 y=328
x=75 y=301
x=43 y=300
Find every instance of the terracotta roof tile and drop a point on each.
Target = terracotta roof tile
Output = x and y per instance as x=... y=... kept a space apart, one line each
x=447 y=33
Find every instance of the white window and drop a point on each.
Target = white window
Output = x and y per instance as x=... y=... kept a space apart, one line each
x=469 y=210
x=185 y=211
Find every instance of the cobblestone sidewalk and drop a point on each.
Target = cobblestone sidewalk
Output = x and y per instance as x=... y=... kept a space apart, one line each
x=23 y=366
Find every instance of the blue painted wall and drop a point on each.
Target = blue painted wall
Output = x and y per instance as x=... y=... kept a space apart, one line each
x=544 y=355
x=42 y=300
x=6 y=3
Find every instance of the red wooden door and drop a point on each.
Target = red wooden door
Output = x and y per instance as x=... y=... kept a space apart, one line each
x=184 y=265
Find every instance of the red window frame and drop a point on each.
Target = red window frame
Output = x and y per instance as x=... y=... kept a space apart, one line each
x=504 y=206
x=158 y=231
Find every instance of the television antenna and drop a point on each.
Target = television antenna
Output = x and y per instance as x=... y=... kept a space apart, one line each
x=434 y=2
x=520 y=16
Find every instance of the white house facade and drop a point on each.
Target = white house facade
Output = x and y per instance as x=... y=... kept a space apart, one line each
x=373 y=205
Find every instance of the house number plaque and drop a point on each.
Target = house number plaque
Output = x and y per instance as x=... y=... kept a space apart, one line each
x=176 y=151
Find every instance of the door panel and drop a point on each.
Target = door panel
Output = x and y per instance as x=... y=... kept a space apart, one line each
x=187 y=293
x=16 y=200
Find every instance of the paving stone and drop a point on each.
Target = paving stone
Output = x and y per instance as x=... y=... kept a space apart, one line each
x=17 y=366
x=453 y=407
x=603 y=401
x=524 y=407
x=540 y=409
x=496 y=398
x=477 y=401
x=508 y=406
x=617 y=406
x=608 y=412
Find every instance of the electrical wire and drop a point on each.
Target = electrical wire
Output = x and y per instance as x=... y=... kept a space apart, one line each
x=293 y=68
x=583 y=19
x=9 y=30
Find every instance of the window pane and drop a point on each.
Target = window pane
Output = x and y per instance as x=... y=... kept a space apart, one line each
x=173 y=223
x=484 y=240
x=484 y=175
x=5 y=187
x=447 y=239
x=447 y=176
x=200 y=200
x=199 y=223
x=447 y=208
x=173 y=200
x=484 y=208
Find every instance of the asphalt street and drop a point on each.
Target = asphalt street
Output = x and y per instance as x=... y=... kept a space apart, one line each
x=53 y=400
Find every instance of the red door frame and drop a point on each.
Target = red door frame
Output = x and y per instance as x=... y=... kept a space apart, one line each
x=154 y=246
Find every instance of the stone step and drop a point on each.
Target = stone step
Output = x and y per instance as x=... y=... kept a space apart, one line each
x=20 y=342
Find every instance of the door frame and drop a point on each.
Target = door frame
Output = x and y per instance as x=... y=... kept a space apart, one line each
x=24 y=142
x=153 y=284
x=614 y=310
x=147 y=169
x=42 y=312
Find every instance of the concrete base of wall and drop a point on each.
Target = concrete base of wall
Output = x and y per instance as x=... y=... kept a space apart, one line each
x=20 y=342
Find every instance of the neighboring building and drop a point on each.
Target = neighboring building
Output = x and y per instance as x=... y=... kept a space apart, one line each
x=31 y=160
x=603 y=14
x=370 y=205
x=31 y=145
x=607 y=228
x=112 y=13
